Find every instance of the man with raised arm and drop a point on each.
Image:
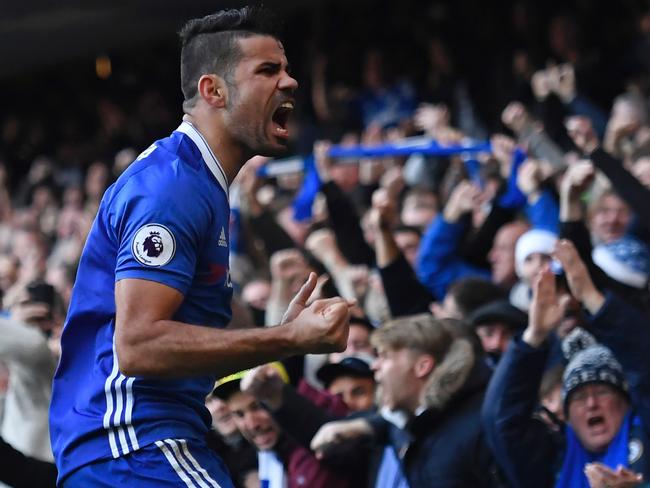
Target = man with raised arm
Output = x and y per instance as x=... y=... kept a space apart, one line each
x=605 y=392
x=144 y=340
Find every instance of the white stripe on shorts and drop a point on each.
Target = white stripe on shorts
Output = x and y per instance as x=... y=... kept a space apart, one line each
x=172 y=460
x=196 y=465
x=188 y=469
x=109 y=405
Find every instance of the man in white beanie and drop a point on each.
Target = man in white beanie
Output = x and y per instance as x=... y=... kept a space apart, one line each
x=532 y=253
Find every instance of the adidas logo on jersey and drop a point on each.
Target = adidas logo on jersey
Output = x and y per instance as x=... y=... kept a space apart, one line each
x=222 y=238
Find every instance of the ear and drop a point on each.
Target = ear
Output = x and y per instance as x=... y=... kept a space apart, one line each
x=212 y=89
x=424 y=365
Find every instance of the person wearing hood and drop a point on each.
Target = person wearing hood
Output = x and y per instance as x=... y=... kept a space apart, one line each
x=605 y=392
x=431 y=387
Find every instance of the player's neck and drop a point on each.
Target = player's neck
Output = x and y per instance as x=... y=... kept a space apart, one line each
x=229 y=154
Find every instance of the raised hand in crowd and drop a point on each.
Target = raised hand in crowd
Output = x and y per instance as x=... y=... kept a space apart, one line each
x=562 y=81
x=393 y=182
x=289 y=271
x=545 y=312
x=351 y=281
x=580 y=283
x=371 y=169
x=503 y=148
x=541 y=85
x=383 y=213
x=530 y=176
x=625 y=123
x=557 y=79
x=577 y=178
x=546 y=309
x=465 y=197
x=516 y=117
x=432 y=118
x=265 y=384
x=382 y=218
x=322 y=160
x=601 y=476
x=250 y=184
x=322 y=244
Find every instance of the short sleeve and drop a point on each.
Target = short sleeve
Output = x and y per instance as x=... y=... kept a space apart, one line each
x=159 y=224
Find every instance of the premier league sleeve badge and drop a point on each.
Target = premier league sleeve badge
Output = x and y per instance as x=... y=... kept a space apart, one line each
x=153 y=245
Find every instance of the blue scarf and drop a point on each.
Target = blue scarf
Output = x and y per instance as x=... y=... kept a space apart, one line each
x=304 y=200
x=576 y=457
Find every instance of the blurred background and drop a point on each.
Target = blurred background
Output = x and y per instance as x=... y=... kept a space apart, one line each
x=87 y=85
x=80 y=80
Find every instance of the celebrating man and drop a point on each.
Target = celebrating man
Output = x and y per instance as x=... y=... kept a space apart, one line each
x=143 y=341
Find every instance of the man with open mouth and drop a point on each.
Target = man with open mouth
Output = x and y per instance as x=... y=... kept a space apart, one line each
x=605 y=391
x=143 y=341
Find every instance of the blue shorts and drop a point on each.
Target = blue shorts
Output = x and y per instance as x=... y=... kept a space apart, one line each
x=169 y=463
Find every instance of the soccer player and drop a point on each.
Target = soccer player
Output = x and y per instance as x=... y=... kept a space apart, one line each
x=144 y=340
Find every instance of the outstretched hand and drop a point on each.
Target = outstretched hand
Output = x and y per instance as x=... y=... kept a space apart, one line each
x=601 y=476
x=545 y=310
x=580 y=282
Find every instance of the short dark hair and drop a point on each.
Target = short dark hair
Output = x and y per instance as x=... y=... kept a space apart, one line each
x=403 y=229
x=471 y=293
x=208 y=44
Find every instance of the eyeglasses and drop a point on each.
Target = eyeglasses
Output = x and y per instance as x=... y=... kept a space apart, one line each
x=598 y=392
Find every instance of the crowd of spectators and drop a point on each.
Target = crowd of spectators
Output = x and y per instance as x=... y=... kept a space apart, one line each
x=503 y=297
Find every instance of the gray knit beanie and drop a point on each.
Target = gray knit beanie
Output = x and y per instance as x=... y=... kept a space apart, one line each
x=589 y=362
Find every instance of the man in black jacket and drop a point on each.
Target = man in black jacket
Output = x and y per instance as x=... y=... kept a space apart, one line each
x=432 y=383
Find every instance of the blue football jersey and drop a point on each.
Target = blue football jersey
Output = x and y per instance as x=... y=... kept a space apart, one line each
x=166 y=220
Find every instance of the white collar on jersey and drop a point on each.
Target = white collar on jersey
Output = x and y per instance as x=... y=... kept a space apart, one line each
x=210 y=159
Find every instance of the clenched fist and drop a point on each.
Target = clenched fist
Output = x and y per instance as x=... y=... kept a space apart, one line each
x=323 y=326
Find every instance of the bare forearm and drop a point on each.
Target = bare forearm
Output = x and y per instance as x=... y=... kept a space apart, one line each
x=385 y=248
x=534 y=337
x=570 y=208
x=149 y=344
x=175 y=349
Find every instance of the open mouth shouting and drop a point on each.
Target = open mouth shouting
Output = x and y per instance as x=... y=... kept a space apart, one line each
x=596 y=423
x=281 y=119
x=265 y=438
